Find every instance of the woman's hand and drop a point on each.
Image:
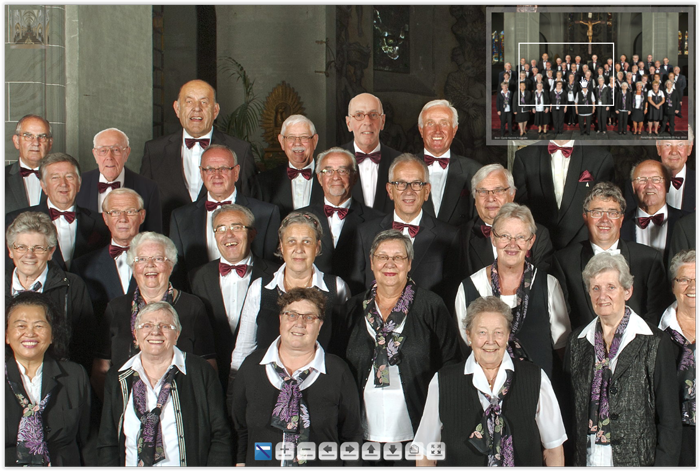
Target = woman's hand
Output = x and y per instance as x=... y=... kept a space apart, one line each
x=423 y=461
x=553 y=456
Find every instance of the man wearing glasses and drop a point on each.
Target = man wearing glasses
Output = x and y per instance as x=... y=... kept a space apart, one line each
x=111 y=151
x=291 y=186
x=191 y=226
x=33 y=140
x=603 y=215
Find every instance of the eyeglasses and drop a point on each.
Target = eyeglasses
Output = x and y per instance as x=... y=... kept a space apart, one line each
x=302 y=139
x=27 y=136
x=341 y=172
x=222 y=229
x=360 y=116
x=157 y=260
x=443 y=124
x=213 y=170
x=397 y=259
x=294 y=316
x=598 y=213
x=520 y=240
x=115 y=213
x=415 y=186
x=680 y=146
x=684 y=281
x=148 y=327
x=37 y=249
x=483 y=192
x=104 y=150
x=643 y=180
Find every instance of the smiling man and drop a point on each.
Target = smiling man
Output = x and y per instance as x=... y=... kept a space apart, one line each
x=674 y=156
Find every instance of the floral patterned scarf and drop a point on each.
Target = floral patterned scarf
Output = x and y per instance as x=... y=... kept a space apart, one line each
x=492 y=436
x=149 y=443
x=32 y=449
x=686 y=376
x=515 y=350
x=139 y=303
x=291 y=414
x=599 y=407
x=387 y=349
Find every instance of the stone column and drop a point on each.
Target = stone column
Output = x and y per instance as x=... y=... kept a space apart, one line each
x=519 y=28
x=660 y=36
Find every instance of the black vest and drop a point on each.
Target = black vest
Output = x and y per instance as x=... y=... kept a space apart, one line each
x=461 y=412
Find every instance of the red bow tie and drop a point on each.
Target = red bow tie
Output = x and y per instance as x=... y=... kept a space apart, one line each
x=677 y=182
x=374 y=157
x=225 y=269
x=292 y=173
x=329 y=210
x=67 y=215
x=430 y=160
x=203 y=143
x=643 y=222
x=115 y=250
x=212 y=205
x=412 y=229
x=485 y=230
x=566 y=151
x=102 y=187
x=25 y=172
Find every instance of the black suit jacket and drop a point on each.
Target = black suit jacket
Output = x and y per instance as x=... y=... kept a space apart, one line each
x=501 y=101
x=188 y=227
x=628 y=231
x=274 y=186
x=340 y=260
x=681 y=85
x=88 y=194
x=532 y=171
x=628 y=101
x=162 y=163
x=476 y=252
x=15 y=192
x=683 y=236
x=650 y=294
x=382 y=202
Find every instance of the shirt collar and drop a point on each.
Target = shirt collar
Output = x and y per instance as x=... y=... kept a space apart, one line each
x=318 y=363
x=669 y=319
x=479 y=379
x=231 y=197
x=23 y=370
x=415 y=222
x=663 y=210
x=135 y=364
x=682 y=172
x=51 y=205
x=23 y=165
x=17 y=286
x=312 y=165
x=597 y=249
x=278 y=279
x=344 y=204
x=636 y=326
x=185 y=135
x=120 y=178
x=566 y=144
x=246 y=261
x=446 y=155
x=376 y=149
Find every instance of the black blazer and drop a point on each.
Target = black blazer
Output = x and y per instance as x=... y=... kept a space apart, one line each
x=628 y=231
x=683 y=236
x=275 y=187
x=650 y=296
x=628 y=101
x=382 y=202
x=563 y=99
x=15 y=191
x=188 y=227
x=605 y=98
x=675 y=103
x=162 y=163
x=580 y=107
x=681 y=85
x=88 y=195
x=340 y=260
x=66 y=417
x=532 y=171
x=517 y=108
x=501 y=101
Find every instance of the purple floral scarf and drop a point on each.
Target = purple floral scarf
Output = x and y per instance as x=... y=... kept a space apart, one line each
x=492 y=436
x=137 y=304
x=686 y=376
x=32 y=449
x=387 y=349
x=515 y=350
x=149 y=442
x=291 y=414
x=599 y=407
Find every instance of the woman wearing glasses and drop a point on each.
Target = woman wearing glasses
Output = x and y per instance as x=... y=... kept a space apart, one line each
x=540 y=319
x=152 y=257
x=293 y=391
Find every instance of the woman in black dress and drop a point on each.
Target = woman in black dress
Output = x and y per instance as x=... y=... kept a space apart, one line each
x=656 y=100
x=671 y=107
x=522 y=109
x=639 y=109
x=571 y=88
x=623 y=105
x=541 y=108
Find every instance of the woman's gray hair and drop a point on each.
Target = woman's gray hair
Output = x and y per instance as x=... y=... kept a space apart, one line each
x=121 y=191
x=488 y=304
x=446 y=104
x=295 y=119
x=516 y=211
x=606 y=262
x=681 y=258
x=299 y=217
x=335 y=150
x=406 y=157
x=142 y=238
x=392 y=234
x=605 y=191
x=32 y=221
x=159 y=306
x=487 y=170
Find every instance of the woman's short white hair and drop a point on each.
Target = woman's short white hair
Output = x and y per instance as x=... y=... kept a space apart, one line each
x=516 y=211
x=142 y=238
x=159 y=306
x=606 y=262
x=683 y=257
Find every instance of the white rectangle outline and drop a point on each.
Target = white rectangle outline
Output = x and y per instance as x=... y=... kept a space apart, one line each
x=613 y=58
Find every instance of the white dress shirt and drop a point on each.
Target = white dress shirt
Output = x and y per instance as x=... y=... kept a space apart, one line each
x=506 y=102
x=132 y=425
x=32 y=185
x=638 y=101
x=32 y=386
x=558 y=314
x=539 y=101
x=191 y=160
x=213 y=249
x=101 y=196
x=18 y=288
x=547 y=417
x=301 y=187
x=653 y=236
x=369 y=173
x=674 y=198
x=272 y=356
x=123 y=269
x=438 y=179
x=334 y=222
x=669 y=319
x=66 y=233
x=234 y=289
x=415 y=222
x=560 y=169
x=613 y=250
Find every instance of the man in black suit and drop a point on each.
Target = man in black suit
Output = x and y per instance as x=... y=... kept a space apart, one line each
x=542 y=66
x=683 y=236
x=340 y=214
x=291 y=185
x=33 y=140
x=680 y=83
x=80 y=230
x=105 y=271
x=111 y=151
x=434 y=242
x=173 y=161
x=365 y=120
x=603 y=214
x=504 y=100
x=450 y=199
x=492 y=187
x=650 y=221
x=650 y=62
x=674 y=156
x=222 y=283
x=553 y=180
x=593 y=65
x=191 y=227
x=666 y=68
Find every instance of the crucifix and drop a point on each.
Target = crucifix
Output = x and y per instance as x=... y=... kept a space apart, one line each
x=590 y=25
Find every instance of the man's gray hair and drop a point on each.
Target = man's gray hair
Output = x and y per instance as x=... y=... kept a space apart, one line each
x=446 y=104
x=487 y=170
x=54 y=159
x=606 y=262
x=126 y=138
x=159 y=306
x=409 y=158
x=392 y=234
x=32 y=221
x=335 y=150
x=18 y=128
x=681 y=258
x=605 y=191
x=229 y=208
x=488 y=304
x=516 y=211
x=142 y=238
x=296 y=119
x=222 y=147
x=121 y=191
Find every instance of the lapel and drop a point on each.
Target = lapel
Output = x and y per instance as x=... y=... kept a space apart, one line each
x=355 y=217
x=198 y=229
x=327 y=239
x=480 y=246
x=16 y=185
x=84 y=232
x=571 y=184
x=688 y=201
x=316 y=191
x=546 y=179
x=586 y=256
x=89 y=186
x=282 y=196
x=57 y=255
x=14 y=376
x=172 y=166
x=381 y=196
x=424 y=239
x=49 y=375
x=628 y=356
x=211 y=276
x=453 y=188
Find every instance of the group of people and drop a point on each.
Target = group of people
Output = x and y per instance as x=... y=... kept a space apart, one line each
x=179 y=316
x=547 y=93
